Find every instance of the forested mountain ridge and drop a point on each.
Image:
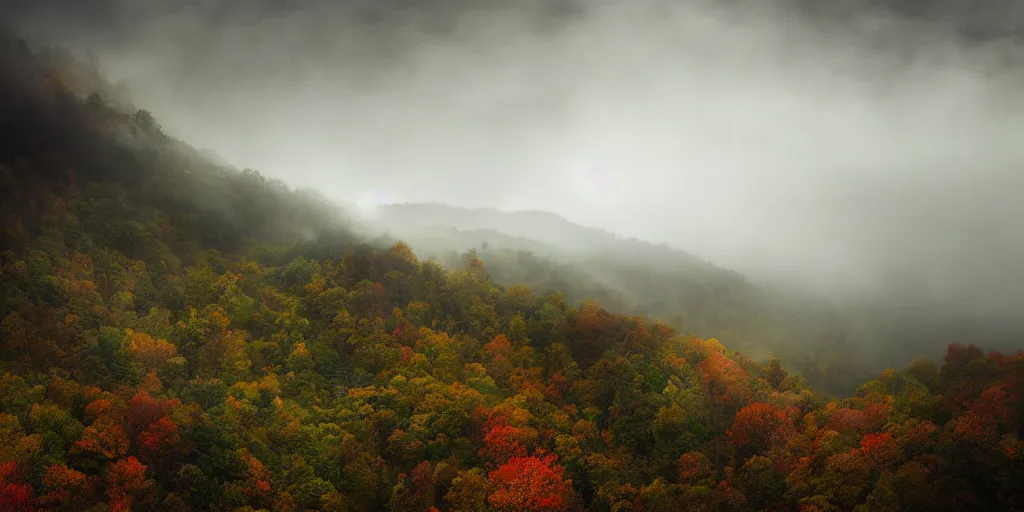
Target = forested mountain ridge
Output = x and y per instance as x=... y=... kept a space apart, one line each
x=550 y=229
x=180 y=336
x=549 y=253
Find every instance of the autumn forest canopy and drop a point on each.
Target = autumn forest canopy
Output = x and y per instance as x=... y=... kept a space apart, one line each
x=178 y=335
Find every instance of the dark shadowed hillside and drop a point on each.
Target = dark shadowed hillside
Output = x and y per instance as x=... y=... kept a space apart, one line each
x=65 y=133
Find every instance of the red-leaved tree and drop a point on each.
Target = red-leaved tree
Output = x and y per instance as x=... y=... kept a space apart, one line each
x=530 y=484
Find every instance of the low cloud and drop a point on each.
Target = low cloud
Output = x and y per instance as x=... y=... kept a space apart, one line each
x=878 y=151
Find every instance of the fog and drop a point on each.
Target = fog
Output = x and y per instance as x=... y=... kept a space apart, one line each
x=877 y=153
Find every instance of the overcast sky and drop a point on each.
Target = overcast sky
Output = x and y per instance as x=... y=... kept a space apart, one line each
x=836 y=153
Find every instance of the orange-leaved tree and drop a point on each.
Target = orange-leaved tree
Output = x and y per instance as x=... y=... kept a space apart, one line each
x=760 y=426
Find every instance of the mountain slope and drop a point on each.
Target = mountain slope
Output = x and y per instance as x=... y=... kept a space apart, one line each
x=162 y=352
